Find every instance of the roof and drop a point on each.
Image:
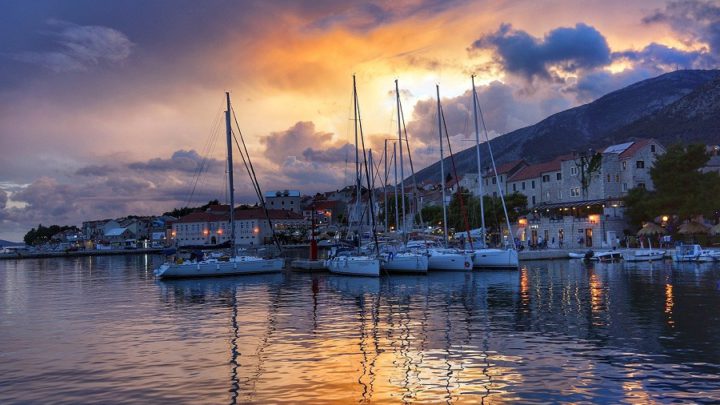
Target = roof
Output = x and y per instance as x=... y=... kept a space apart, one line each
x=574 y=204
x=507 y=167
x=239 y=214
x=635 y=147
x=628 y=149
x=283 y=193
x=201 y=217
x=619 y=148
x=323 y=205
x=535 y=171
x=115 y=231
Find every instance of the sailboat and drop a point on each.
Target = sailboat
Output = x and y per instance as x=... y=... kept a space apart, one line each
x=355 y=263
x=402 y=260
x=484 y=257
x=444 y=258
x=231 y=266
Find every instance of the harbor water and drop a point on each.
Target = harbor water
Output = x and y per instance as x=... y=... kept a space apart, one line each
x=103 y=330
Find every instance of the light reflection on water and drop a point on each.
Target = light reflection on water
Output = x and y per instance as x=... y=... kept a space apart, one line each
x=103 y=330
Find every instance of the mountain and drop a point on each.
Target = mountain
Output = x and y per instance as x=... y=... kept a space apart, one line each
x=681 y=105
x=8 y=243
x=693 y=118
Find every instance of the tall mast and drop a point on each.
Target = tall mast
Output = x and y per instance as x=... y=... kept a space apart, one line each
x=479 y=166
x=231 y=187
x=385 y=186
x=442 y=167
x=402 y=172
x=397 y=212
x=357 y=159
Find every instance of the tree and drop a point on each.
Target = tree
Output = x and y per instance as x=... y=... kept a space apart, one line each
x=680 y=187
x=43 y=234
x=181 y=212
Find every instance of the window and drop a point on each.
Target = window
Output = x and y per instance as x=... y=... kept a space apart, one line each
x=575 y=192
x=652 y=148
x=559 y=176
x=547 y=196
x=609 y=179
x=640 y=164
x=624 y=165
x=624 y=186
x=523 y=185
x=573 y=171
x=641 y=185
x=494 y=180
x=546 y=178
x=514 y=187
x=617 y=178
x=533 y=200
x=559 y=194
x=533 y=184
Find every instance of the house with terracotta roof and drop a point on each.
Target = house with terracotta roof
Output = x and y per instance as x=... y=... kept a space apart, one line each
x=504 y=171
x=564 y=213
x=212 y=226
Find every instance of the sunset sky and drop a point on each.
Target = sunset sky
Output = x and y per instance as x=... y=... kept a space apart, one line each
x=108 y=107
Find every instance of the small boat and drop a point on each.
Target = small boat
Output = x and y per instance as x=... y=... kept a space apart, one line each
x=686 y=253
x=643 y=255
x=607 y=256
x=575 y=255
x=709 y=256
x=601 y=256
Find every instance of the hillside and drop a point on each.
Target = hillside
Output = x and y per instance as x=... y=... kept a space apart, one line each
x=680 y=102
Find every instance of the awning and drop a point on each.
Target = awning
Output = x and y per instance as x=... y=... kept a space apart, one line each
x=576 y=204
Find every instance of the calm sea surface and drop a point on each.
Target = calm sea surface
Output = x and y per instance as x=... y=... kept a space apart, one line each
x=103 y=330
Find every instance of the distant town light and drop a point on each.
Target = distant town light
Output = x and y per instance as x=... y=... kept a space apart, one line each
x=594 y=218
x=665 y=218
x=219 y=231
x=205 y=232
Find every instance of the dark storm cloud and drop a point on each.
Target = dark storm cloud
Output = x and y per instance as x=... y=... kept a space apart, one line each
x=696 y=21
x=366 y=15
x=504 y=107
x=596 y=84
x=330 y=154
x=188 y=161
x=569 y=49
x=95 y=170
x=660 y=57
x=79 y=48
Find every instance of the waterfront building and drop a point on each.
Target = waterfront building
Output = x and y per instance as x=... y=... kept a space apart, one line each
x=288 y=200
x=572 y=206
x=212 y=227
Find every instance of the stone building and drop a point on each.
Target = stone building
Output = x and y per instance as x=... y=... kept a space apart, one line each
x=212 y=227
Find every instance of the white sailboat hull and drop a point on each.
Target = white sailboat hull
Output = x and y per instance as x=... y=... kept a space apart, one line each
x=445 y=260
x=495 y=258
x=211 y=268
x=405 y=263
x=354 y=266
